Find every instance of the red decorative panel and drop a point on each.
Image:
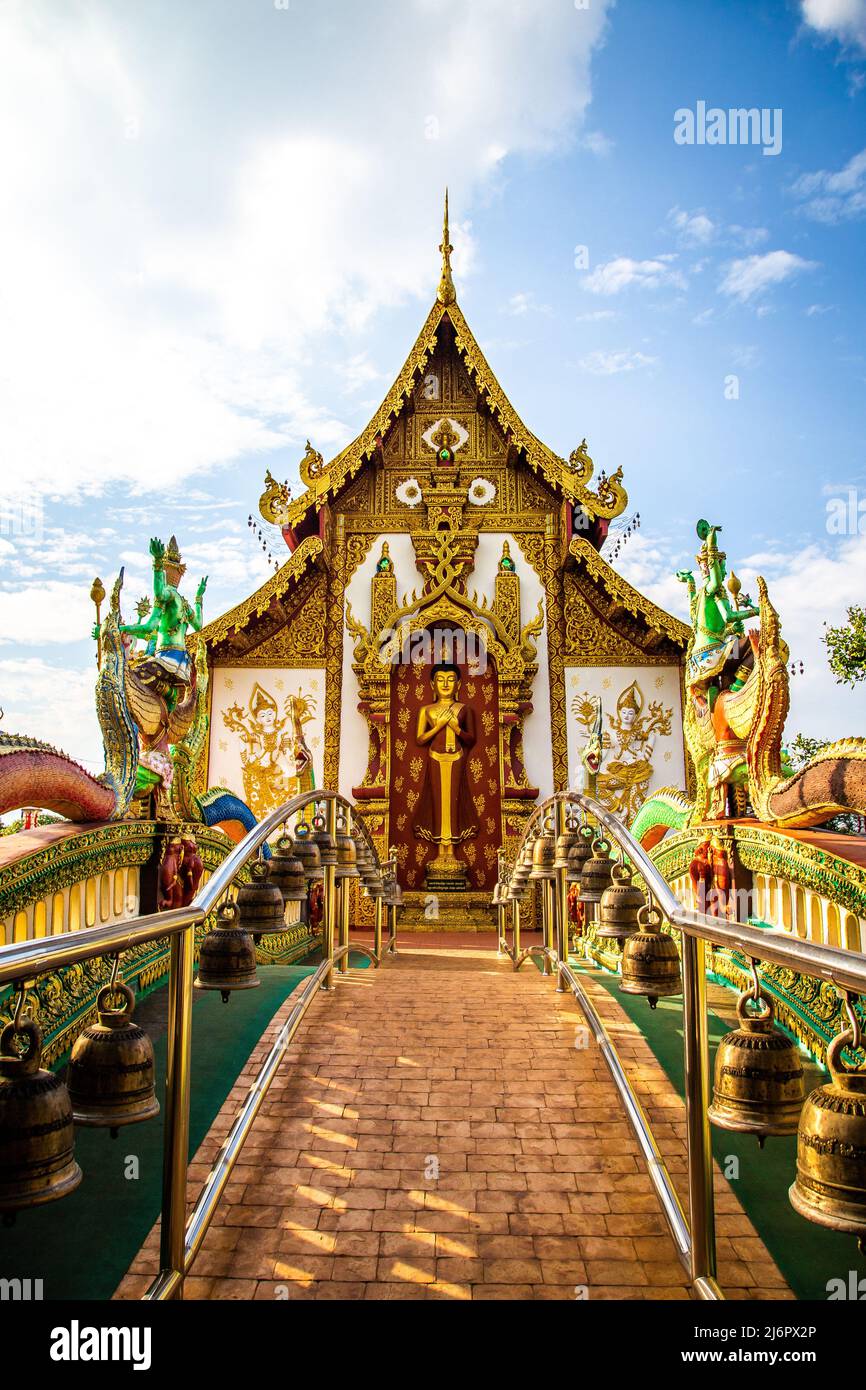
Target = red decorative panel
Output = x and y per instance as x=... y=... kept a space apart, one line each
x=411 y=689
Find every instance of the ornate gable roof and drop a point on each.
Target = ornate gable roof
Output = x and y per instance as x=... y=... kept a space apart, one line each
x=325 y=481
x=307 y=520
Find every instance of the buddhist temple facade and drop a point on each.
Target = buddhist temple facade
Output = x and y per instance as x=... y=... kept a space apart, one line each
x=445 y=533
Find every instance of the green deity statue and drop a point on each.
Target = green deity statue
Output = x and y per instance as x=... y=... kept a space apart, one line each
x=166 y=663
x=717 y=622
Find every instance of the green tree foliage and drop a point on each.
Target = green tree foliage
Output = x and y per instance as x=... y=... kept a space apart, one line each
x=846 y=648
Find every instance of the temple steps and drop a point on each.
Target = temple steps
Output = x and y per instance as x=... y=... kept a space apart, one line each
x=435 y=1133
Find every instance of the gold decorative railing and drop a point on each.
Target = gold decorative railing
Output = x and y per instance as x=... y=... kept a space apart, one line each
x=694 y=1237
x=182 y=1238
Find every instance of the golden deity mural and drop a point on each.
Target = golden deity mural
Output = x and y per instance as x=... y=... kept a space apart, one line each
x=623 y=781
x=446 y=728
x=275 y=758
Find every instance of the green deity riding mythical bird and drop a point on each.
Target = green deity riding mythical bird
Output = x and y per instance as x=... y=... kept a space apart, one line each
x=737 y=698
x=166 y=664
x=151 y=704
x=718 y=624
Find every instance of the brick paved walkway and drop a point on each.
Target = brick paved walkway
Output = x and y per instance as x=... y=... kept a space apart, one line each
x=434 y=1132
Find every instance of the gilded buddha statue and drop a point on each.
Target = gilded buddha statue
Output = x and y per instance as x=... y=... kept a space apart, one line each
x=446 y=728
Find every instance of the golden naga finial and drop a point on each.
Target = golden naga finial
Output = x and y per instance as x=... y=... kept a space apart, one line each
x=446 y=293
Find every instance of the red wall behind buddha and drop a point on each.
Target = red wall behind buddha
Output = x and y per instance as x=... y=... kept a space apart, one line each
x=410 y=690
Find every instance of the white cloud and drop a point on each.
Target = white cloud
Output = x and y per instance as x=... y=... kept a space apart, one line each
x=753 y=275
x=808 y=585
x=601 y=363
x=55 y=704
x=41 y=614
x=612 y=277
x=358 y=371
x=844 y=20
x=596 y=316
x=835 y=197
x=173 y=244
x=524 y=302
x=597 y=142
x=695 y=228
x=749 y=236
x=746 y=356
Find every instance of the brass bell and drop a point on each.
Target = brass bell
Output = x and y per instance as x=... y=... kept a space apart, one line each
x=543 y=854
x=260 y=902
x=650 y=962
x=758 y=1086
x=110 y=1077
x=347 y=854
x=619 y=906
x=518 y=890
x=566 y=842
x=523 y=866
x=364 y=857
x=580 y=852
x=595 y=877
x=524 y=862
x=287 y=872
x=37 y=1135
x=324 y=841
x=307 y=851
x=227 y=956
x=830 y=1187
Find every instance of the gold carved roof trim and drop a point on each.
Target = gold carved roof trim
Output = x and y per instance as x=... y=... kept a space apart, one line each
x=345 y=465
x=631 y=599
x=258 y=602
x=328 y=480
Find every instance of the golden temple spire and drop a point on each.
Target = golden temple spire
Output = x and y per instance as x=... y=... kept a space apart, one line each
x=446 y=293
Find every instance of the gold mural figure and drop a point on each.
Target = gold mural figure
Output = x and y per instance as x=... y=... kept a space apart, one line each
x=623 y=781
x=275 y=759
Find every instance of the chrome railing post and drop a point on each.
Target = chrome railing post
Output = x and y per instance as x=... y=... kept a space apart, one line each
x=343 y=896
x=515 y=927
x=377 y=929
x=392 y=907
x=329 y=900
x=561 y=899
x=697 y=1087
x=548 y=893
x=177 y=1097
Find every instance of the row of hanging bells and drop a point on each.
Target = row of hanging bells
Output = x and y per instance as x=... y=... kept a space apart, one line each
x=759 y=1081
x=110 y=1083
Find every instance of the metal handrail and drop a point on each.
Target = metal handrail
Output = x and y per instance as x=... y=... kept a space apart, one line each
x=695 y=1239
x=841 y=966
x=22 y=959
x=181 y=1239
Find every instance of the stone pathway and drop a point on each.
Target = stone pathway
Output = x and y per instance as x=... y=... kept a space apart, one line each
x=435 y=1133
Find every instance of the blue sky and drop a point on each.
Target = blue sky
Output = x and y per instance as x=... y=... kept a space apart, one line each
x=219 y=236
